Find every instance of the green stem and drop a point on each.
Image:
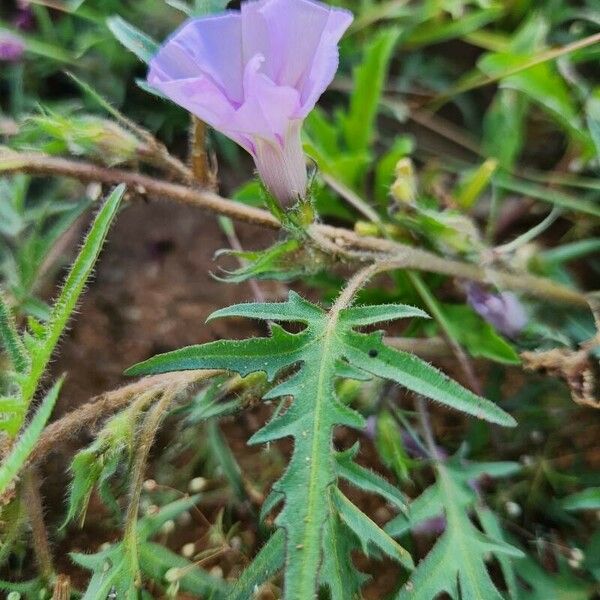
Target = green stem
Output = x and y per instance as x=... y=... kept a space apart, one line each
x=146 y=438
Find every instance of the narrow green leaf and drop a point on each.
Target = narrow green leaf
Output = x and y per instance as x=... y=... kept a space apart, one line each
x=10 y=338
x=369 y=79
x=368 y=352
x=388 y=441
x=25 y=443
x=143 y=46
x=369 y=315
x=586 y=500
x=71 y=291
x=592 y=114
x=224 y=456
x=366 y=479
x=338 y=573
x=266 y=563
x=368 y=532
x=491 y=527
x=295 y=309
x=551 y=196
x=156 y=562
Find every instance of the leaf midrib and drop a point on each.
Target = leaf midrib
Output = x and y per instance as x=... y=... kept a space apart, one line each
x=327 y=338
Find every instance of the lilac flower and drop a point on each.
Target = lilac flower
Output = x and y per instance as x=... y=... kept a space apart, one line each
x=502 y=310
x=11 y=47
x=255 y=75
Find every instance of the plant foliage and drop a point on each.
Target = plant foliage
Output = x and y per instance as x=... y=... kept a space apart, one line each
x=321 y=524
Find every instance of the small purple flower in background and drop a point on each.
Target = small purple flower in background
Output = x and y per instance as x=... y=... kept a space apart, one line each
x=255 y=75
x=11 y=47
x=502 y=310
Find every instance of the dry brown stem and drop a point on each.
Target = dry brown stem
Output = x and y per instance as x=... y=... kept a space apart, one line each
x=348 y=244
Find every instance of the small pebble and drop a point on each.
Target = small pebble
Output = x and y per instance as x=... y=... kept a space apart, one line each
x=526 y=460
x=188 y=550
x=513 y=509
x=197 y=484
x=577 y=554
x=150 y=485
x=216 y=571
x=184 y=518
x=168 y=527
x=537 y=436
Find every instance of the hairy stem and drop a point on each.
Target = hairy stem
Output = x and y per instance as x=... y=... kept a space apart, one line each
x=62 y=588
x=106 y=404
x=344 y=240
x=146 y=438
x=35 y=512
x=427 y=429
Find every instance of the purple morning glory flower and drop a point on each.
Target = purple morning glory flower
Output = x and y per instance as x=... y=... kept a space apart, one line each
x=11 y=47
x=255 y=75
x=502 y=310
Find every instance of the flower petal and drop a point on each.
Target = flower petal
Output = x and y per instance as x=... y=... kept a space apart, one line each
x=268 y=108
x=299 y=40
x=326 y=60
x=210 y=47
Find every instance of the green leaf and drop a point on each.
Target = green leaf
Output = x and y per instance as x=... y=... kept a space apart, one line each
x=456 y=564
x=388 y=441
x=434 y=31
x=70 y=294
x=555 y=197
x=370 y=315
x=306 y=365
x=540 y=83
x=366 y=479
x=143 y=46
x=543 y=585
x=285 y=260
x=97 y=463
x=158 y=562
x=266 y=563
x=592 y=114
x=369 y=79
x=369 y=353
x=368 y=532
x=115 y=569
x=503 y=127
x=26 y=442
x=586 y=500
x=338 y=572
x=224 y=456
x=490 y=523
x=10 y=338
x=478 y=336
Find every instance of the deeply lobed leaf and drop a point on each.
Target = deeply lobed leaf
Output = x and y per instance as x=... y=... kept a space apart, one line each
x=320 y=525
